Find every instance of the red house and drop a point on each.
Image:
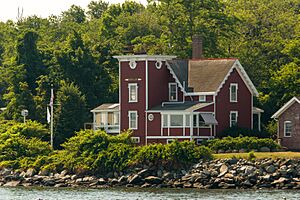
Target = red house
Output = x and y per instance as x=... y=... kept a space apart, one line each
x=163 y=98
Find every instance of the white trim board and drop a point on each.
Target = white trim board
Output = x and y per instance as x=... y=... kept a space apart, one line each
x=237 y=65
x=144 y=57
x=285 y=107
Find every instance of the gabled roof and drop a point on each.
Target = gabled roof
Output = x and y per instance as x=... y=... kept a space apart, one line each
x=286 y=106
x=107 y=107
x=207 y=75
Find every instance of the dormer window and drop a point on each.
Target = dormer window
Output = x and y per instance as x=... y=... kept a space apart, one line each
x=202 y=98
x=172 y=91
x=133 y=92
x=233 y=92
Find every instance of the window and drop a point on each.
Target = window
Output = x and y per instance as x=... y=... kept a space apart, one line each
x=165 y=120
x=116 y=118
x=133 y=120
x=195 y=120
x=233 y=118
x=187 y=120
x=288 y=129
x=133 y=92
x=176 y=120
x=202 y=98
x=172 y=91
x=135 y=140
x=233 y=92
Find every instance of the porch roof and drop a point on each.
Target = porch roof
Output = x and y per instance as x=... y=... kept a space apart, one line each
x=188 y=106
x=107 y=107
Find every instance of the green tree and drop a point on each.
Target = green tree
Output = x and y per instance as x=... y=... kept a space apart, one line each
x=74 y=14
x=70 y=113
x=97 y=8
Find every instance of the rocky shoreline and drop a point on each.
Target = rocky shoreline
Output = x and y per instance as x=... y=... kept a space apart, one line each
x=222 y=173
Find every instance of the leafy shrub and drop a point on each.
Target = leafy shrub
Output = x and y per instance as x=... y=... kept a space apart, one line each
x=237 y=131
x=174 y=154
x=29 y=129
x=248 y=143
x=251 y=156
x=19 y=149
x=93 y=152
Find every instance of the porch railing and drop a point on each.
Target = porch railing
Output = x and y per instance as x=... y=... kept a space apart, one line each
x=108 y=128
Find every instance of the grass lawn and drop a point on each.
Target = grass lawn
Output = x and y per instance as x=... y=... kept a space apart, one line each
x=260 y=155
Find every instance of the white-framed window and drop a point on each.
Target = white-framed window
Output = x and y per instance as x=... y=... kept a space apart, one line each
x=170 y=141
x=202 y=98
x=165 y=118
x=187 y=120
x=133 y=92
x=116 y=118
x=233 y=92
x=233 y=118
x=172 y=91
x=176 y=120
x=133 y=120
x=288 y=126
x=195 y=120
x=135 y=140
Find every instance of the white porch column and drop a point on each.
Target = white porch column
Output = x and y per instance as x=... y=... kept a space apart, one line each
x=94 y=120
x=259 y=121
x=191 y=126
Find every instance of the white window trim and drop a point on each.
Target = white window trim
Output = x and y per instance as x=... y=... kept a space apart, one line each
x=170 y=84
x=129 y=120
x=237 y=115
x=184 y=118
x=136 y=92
x=284 y=128
x=202 y=100
x=136 y=140
x=236 y=94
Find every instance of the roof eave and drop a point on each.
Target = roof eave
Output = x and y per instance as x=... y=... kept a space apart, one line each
x=285 y=107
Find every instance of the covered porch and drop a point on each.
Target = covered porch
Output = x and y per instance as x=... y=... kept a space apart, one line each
x=191 y=120
x=107 y=117
x=257 y=112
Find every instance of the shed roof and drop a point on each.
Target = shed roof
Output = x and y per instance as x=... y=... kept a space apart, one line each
x=107 y=106
x=187 y=106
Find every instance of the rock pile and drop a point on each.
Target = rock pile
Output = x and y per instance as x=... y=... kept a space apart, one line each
x=222 y=173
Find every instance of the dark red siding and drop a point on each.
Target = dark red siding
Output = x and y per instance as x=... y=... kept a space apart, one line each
x=154 y=126
x=133 y=75
x=243 y=105
x=158 y=84
x=209 y=98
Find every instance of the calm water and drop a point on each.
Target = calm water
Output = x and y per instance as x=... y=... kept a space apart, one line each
x=134 y=194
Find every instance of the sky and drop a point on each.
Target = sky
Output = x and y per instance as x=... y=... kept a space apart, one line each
x=42 y=8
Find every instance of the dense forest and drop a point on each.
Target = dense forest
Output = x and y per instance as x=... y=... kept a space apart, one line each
x=73 y=52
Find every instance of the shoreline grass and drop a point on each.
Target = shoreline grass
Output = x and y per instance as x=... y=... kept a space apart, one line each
x=260 y=155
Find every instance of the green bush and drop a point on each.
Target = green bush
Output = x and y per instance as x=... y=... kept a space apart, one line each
x=174 y=154
x=21 y=151
x=30 y=129
x=248 y=143
x=237 y=131
x=93 y=152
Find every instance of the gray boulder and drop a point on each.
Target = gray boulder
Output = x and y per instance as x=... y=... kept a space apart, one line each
x=153 y=180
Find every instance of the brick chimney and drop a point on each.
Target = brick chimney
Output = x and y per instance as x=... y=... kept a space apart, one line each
x=197 y=47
